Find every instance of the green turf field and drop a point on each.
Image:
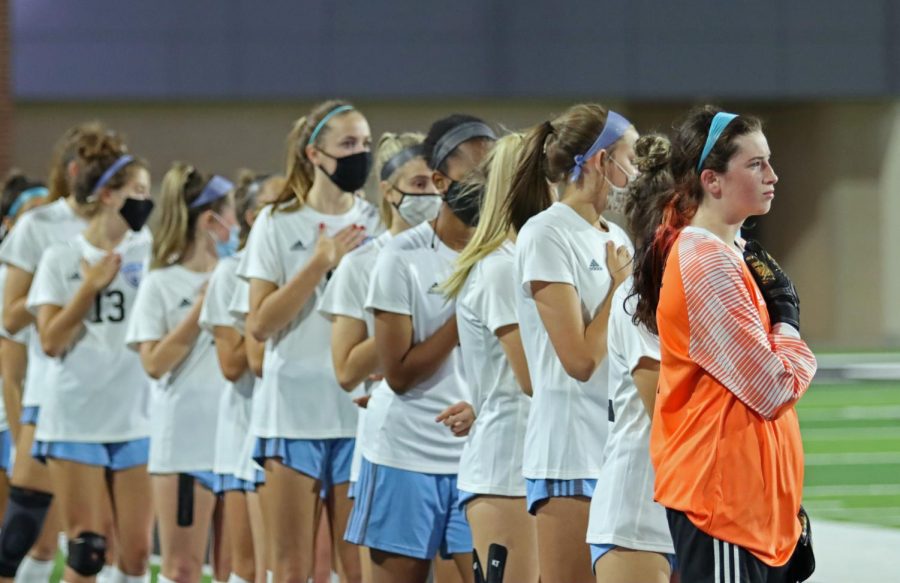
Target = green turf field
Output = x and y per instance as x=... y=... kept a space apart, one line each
x=851 y=436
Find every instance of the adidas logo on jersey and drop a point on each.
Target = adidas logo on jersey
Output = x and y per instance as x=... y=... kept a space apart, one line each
x=298 y=246
x=76 y=276
x=594 y=266
x=185 y=303
x=435 y=289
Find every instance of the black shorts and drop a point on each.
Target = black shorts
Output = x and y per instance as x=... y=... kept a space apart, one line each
x=704 y=559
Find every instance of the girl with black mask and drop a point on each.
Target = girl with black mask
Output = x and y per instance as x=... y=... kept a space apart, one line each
x=304 y=422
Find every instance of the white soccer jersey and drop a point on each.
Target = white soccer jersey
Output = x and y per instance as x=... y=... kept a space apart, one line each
x=21 y=337
x=97 y=391
x=183 y=413
x=299 y=396
x=35 y=232
x=492 y=458
x=403 y=432
x=238 y=308
x=236 y=397
x=566 y=432
x=623 y=512
x=345 y=295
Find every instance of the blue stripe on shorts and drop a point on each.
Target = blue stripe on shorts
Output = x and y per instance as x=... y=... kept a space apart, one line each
x=537 y=491
x=114 y=456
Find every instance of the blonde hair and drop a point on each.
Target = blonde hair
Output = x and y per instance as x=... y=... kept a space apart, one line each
x=299 y=171
x=389 y=145
x=493 y=223
x=176 y=221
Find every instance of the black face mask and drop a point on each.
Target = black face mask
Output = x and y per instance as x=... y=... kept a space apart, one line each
x=351 y=172
x=465 y=202
x=136 y=212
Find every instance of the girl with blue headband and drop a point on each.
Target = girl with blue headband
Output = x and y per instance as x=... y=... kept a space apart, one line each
x=725 y=439
x=93 y=430
x=196 y=213
x=569 y=262
x=305 y=423
x=60 y=220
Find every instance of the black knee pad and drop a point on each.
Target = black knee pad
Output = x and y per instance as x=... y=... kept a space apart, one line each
x=21 y=527
x=87 y=553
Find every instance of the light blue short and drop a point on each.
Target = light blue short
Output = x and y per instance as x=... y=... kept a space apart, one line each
x=231 y=483
x=598 y=551
x=5 y=450
x=408 y=513
x=29 y=415
x=205 y=479
x=537 y=491
x=326 y=460
x=114 y=456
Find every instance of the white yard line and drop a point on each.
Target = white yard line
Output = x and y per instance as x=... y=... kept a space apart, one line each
x=850 y=433
x=851 y=413
x=852 y=459
x=852 y=490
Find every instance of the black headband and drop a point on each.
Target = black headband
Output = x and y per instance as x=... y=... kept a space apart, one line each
x=452 y=139
x=400 y=158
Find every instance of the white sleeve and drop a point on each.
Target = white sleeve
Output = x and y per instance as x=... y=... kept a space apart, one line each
x=345 y=294
x=389 y=290
x=48 y=286
x=542 y=255
x=214 y=311
x=19 y=247
x=495 y=298
x=261 y=254
x=239 y=306
x=147 y=321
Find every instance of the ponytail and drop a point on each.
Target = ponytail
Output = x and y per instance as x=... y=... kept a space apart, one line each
x=529 y=191
x=66 y=151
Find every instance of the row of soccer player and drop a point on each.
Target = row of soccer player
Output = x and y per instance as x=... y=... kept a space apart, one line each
x=473 y=364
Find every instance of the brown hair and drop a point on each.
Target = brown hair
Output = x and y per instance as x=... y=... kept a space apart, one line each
x=672 y=181
x=549 y=156
x=66 y=150
x=388 y=145
x=95 y=156
x=176 y=222
x=299 y=171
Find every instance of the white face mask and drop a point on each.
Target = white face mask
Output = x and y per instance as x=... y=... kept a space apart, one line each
x=618 y=195
x=417 y=208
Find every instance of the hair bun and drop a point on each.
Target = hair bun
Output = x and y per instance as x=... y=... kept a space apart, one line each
x=653 y=151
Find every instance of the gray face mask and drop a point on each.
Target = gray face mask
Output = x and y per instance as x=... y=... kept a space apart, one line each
x=618 y=195
x=417 y=208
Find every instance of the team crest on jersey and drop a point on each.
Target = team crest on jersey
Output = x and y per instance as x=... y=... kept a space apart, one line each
x=594 y=266
x=132 y=273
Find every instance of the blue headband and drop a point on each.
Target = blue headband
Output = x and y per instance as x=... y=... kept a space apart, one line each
x=719 y=122
x=324 y=120
x=25 y=196
x=123 y=161
x=614 y=128
x=216 y=188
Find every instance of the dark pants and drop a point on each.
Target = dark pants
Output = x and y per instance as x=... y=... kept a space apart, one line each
x=704 y=559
